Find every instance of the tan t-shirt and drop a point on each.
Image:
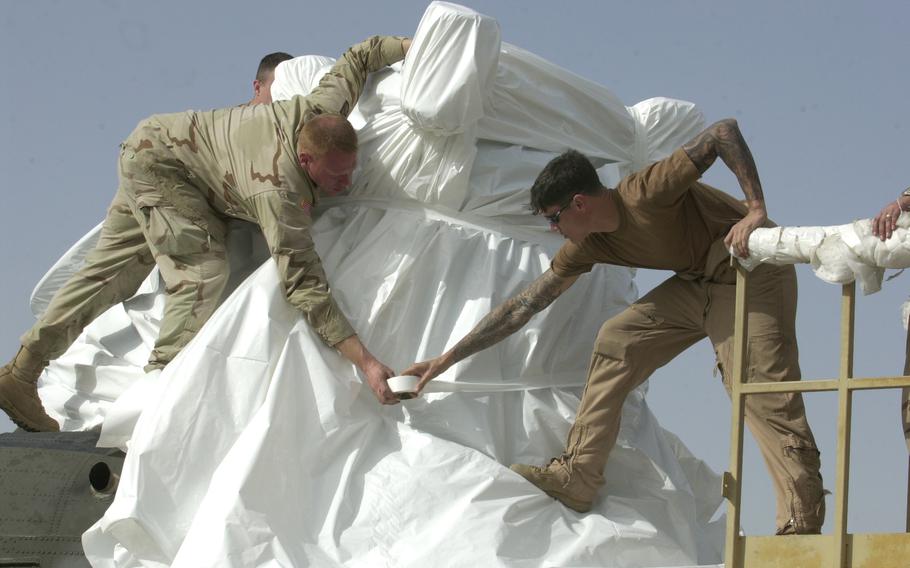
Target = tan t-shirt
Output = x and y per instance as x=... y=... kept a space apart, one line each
x=667 y=221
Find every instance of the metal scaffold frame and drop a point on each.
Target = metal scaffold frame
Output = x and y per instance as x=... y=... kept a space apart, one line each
x=839 y=549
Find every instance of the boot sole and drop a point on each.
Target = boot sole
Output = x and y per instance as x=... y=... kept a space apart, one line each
x=578 y=506
x=18 y=419
x=570 y=502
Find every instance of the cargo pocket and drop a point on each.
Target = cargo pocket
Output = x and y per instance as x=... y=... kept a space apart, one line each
x=172 y=235
x=804 y=486
x=650 y=312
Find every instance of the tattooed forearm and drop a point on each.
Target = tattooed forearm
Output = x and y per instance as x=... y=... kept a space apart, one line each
x=723 y=139
x=512 y=314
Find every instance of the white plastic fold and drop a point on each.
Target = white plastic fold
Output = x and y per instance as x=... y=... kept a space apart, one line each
x=839 y=254
x=260 y=446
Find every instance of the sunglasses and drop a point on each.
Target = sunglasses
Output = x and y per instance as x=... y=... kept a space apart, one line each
x=554 y=218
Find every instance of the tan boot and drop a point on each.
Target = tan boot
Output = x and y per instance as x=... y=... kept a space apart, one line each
x=559 y=482
x=19 y=393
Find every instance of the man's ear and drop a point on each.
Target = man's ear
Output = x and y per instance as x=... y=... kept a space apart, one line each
x=579 y=201
x=257 y=86
x=304 y=159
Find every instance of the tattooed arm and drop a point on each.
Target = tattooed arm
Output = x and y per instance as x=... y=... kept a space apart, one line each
x=723 y=139
x=502 y=322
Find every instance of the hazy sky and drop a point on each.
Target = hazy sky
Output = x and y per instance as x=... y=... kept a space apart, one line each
x=819 y=90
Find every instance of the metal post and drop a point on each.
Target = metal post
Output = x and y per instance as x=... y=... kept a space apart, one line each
x=733 y=478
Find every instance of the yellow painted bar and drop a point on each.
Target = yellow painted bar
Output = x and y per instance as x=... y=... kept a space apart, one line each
x=821 y=385
x=845 y=411
x=733 y=478
x=881 y=550
x=840 y=548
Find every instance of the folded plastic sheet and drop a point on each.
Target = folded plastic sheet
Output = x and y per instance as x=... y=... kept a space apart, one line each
x=839 y=254
x=260 y=446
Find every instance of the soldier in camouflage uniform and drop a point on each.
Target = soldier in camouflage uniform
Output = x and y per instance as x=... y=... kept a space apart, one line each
x=181 y=175
x=265 y=76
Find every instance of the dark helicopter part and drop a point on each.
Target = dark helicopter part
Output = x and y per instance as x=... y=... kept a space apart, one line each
x=53 y=487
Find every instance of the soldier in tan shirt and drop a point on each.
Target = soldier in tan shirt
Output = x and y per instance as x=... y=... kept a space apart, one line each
x=661 y=217
x=181 y=176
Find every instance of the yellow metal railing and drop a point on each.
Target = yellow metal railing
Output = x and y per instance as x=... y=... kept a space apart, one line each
x=839 y=549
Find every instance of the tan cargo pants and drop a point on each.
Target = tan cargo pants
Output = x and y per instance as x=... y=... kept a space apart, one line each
x=905 y=395
x=142 y=229
x=674 y=316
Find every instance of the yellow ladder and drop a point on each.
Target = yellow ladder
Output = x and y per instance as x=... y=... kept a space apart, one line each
x=839 y=549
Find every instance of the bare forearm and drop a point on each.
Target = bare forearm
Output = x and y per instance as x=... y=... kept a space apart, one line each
x=354 y=351
x=510 y=316
x=723 y=139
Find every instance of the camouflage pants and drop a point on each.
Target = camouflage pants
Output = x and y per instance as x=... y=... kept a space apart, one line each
x=144 y=228
x=668 y=320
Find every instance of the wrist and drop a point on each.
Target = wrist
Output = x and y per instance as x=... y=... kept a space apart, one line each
x=366 y=361
x=756 y=205
x=445 y=361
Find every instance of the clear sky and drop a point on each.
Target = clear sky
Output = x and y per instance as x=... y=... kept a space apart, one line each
x=818 y=88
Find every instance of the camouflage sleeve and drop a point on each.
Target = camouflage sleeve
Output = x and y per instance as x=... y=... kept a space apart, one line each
x=286 y=227
x=340 y=88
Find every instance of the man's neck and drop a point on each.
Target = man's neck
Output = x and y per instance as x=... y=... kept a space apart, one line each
x=606 y=214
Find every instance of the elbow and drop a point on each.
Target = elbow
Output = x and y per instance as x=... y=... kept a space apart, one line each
x=727 y=126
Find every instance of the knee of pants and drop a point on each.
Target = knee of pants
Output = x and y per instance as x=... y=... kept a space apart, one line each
x=614 y=347
x=616 y=367
x=772 y=358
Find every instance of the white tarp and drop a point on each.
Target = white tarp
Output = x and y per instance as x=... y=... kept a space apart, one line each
x=260 y=446
x=839 y=254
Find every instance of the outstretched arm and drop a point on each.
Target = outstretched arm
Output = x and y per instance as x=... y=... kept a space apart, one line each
x=502 y=322
x=340 y=88
x=723 y=139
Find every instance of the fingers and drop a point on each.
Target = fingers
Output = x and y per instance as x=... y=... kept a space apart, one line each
x=379 y=385
x=883 y=225
x=424 y=379
x=415 y=369
x=384 y=394
x=877 y=226
x=739 y=240
x=742 y=248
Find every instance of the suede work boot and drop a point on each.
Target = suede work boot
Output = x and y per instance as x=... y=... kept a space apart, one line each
x=559 y=482
x=19 y=393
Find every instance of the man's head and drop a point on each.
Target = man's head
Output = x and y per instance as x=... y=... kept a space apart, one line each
x=262 y=84
x=561 y=191
x=327 y=150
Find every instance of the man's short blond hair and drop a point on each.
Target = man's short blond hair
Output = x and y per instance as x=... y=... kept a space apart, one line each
x=324 y=132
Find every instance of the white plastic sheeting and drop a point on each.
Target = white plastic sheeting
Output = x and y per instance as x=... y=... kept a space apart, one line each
x=260 y=446
x=839 y=254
